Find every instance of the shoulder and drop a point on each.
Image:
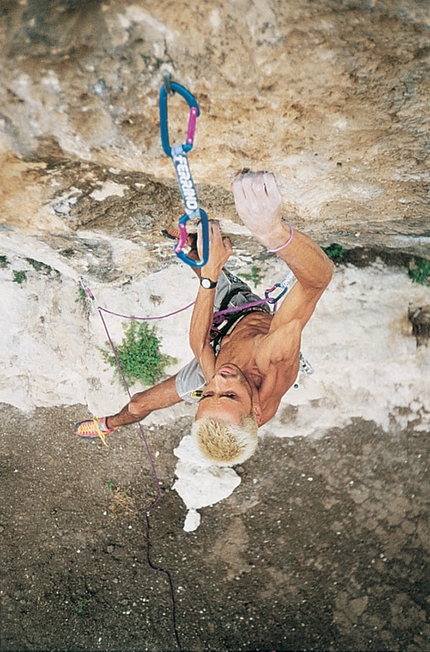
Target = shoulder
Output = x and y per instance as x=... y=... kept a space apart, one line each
x=276 y=383
x=280 y=346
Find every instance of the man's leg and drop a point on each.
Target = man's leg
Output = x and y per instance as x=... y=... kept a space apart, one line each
x=143 y=403
x=139 y=407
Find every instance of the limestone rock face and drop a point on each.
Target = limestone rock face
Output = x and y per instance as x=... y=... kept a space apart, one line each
x=331 y=95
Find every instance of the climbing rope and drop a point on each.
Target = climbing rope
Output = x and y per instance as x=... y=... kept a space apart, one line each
x=159 y=496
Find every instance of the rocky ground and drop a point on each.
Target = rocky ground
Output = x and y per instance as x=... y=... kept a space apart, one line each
x=324 y=545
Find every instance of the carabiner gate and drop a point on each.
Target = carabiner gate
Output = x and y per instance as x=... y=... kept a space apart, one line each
x=183 y=237
x=272 y=300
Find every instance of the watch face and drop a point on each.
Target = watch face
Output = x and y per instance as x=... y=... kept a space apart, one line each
x=207 y=283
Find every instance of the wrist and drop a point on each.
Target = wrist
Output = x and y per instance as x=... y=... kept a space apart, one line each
x=278 y=237
x=207 y=283
x=210 y=272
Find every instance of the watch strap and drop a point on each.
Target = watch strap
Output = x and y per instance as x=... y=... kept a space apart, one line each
x=207 y=283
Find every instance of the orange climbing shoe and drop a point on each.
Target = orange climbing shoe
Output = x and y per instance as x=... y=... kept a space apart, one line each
x=93 y=428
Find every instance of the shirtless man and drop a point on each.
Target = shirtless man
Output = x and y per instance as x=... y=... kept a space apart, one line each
x=240 y=378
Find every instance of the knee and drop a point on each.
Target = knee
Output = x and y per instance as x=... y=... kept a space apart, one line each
x=135 y=406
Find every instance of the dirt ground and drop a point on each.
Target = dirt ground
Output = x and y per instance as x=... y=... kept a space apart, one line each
x=324 y=545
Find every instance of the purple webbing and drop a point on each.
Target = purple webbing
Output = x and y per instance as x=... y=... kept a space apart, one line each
x=182 y=238
x=157 y=483
x=221 y=313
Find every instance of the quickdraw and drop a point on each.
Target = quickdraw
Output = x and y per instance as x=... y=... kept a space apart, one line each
x=272 y=300
x=178 y=153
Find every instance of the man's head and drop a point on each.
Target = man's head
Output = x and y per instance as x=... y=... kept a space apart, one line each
x=227 y=419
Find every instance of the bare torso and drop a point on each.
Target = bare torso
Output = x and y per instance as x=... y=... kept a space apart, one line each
x=247 y=347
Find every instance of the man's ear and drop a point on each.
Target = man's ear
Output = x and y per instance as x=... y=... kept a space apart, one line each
x=258 y=414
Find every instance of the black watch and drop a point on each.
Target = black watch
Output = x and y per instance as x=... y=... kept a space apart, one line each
x=207 y=283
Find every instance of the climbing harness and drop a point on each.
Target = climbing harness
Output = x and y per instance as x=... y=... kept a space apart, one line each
x=178 y=153
x=219 y=316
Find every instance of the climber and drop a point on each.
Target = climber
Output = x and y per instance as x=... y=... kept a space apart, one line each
x=242 y=369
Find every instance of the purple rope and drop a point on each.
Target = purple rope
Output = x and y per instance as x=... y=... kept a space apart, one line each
x=170 y=314
x=156 y=479
x=216 y=315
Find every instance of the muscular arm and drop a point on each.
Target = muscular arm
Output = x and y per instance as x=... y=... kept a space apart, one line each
x=259 y=205
x=313 y=271
x=201 y=320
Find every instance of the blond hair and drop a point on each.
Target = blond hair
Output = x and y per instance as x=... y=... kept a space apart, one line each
x=224 y=443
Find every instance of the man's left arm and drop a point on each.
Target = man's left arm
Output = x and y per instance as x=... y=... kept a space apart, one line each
x=259 y=205
x=201 y=321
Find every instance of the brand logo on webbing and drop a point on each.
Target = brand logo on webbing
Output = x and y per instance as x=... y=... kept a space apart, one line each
x=186 y=183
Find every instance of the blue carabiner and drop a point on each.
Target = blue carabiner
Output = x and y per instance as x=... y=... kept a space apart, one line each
x=183 y=236
x=164 y=126
x=272 y=300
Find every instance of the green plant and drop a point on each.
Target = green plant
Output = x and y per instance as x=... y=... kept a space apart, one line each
x=19 y=277
x=139 y=354
x=36 y=264
x=81 y=605
x=81 y=294
x=254 y=276
x=41 y=267
x=3 y=262
x=421 y=272
x=335 y=252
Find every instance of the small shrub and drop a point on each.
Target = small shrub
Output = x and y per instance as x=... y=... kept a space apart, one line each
x=19 y=277
x=3 y=262
x=421 y=272
x=335 y=252
x=81 y=606
x=120 y=501
x=81 y=296
x=254 y=276
x=139 y=354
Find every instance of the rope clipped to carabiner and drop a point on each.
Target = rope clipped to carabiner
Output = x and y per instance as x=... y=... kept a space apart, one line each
x=178 y=153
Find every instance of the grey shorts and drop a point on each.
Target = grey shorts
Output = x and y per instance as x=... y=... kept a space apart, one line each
x=190 y=379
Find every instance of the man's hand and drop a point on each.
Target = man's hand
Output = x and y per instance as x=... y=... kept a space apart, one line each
x=220 y=250
x=259 y=204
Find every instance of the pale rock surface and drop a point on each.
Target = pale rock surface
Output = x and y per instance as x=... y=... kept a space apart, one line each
x=333 y=96
x=199 y=482
x=367 y=364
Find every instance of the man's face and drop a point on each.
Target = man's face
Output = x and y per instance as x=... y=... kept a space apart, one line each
x=227 y=396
